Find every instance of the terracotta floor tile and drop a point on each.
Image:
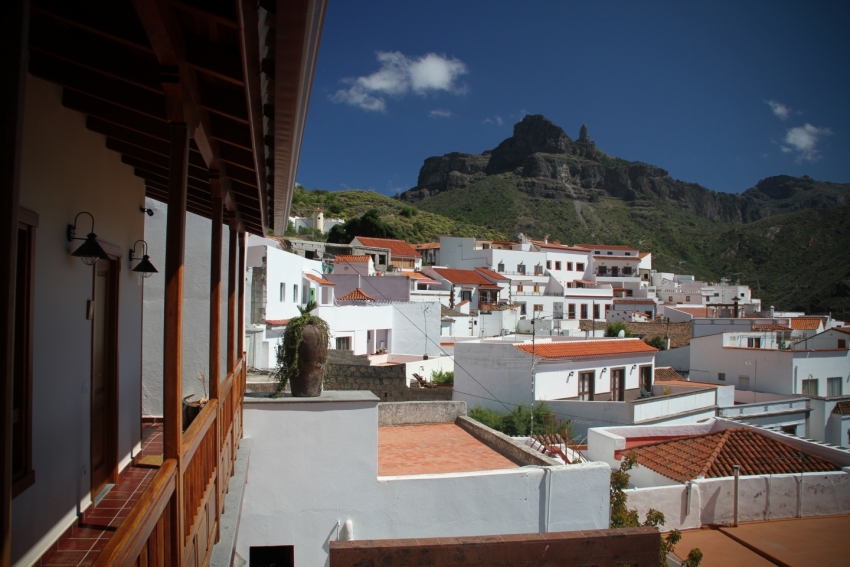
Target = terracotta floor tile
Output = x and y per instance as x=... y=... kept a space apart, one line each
x=434 y=449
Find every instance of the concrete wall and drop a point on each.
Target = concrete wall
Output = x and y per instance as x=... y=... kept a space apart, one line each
x=384 y=288
x=314 y=466
x=196 y=307
x=414 y=413
x=659 y=407
x=66 y=169
x=388 y=383
x=678 y=358
x=760 y=498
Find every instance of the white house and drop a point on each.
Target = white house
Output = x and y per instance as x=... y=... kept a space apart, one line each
x=402 y=256
x=316 y=221
x=836 y=337
x=465 y=285
x=753 y=361
x=686 y=472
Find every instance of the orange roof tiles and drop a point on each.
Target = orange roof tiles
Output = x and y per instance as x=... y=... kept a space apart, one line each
x=606 y=247
x=666 y=374
x=356 y=294
x=398 y=248
x=841 y=408
x=643 y=254
x=348 y=259
x=694 y=311
x=436 y=448
x=277 y=322
x=634 y=302
x=771 y=328
x=579 y=349
x=845 y=330
x=806 y=323
x=319 y=280
x=427 y=246
x=462 y=276
x=492 y=274
x=713 y=455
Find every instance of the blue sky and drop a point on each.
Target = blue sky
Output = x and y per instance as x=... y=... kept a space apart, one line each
x=718 y=93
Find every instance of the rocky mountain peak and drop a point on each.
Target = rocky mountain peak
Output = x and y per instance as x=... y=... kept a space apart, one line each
x=583 y=135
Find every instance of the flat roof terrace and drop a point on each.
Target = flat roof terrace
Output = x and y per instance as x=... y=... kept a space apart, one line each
x=435 y=448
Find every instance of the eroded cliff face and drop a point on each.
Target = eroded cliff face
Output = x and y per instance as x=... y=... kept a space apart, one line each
x=542 y=161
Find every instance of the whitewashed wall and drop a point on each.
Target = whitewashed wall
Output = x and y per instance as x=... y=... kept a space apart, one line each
x=760 y=498
x=66 y=169
x=196 y=306
x=316 y=464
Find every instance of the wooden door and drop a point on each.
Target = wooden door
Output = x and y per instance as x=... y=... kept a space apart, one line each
x=618 y=384
x=104 y=375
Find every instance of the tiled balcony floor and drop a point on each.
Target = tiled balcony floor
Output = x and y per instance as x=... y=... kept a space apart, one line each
x=86 y=540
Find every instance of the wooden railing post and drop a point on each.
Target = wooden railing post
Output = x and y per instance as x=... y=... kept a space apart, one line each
x=240 y=340
x=215 y=328
x=175 y=244
x=14 y=34
x=231 y=298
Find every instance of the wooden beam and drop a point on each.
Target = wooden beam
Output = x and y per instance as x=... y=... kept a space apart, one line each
x=110 y=20
x=224 y=100
x=13 y=54
x=195 y=173
x=298 y=31
x=215 y=60
x=116 y=114
x=114 y=60
x=89 y=82
x=240 y=328
x=250 y=51
x=230 y=131
x=215 y=324
x=233 y=246
x=219 y=18
x=175 y=250
x=238 y=156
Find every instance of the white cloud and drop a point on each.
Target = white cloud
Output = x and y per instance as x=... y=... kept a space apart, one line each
x=440 y=113
x=804 y=141
x=497 y=119
x=779 y=109
x=398 y=75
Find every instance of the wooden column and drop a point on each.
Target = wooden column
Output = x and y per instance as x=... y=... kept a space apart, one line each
x=240 y=337
x=13 y=39
x=175 y=247
x=231 y=298
x=215 y=330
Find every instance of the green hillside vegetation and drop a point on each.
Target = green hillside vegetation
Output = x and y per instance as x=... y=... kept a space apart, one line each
x=407 y=221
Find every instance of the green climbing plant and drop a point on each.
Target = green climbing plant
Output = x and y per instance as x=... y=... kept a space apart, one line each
x=286 y=350
x=622 y=517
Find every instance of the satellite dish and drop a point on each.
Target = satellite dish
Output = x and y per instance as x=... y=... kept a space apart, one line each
x=621 y=334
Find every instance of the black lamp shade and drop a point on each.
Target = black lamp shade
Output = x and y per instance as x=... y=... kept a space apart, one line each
x=90 y=251
x=145 y=268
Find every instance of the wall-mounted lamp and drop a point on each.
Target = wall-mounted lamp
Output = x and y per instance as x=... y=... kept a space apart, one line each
x=89 y=251
x=148 y=211
x=634 y=366
x=144 y=268
x=604 y=370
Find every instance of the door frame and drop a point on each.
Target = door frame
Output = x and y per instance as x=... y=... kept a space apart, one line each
x=111 y=433
x=618 y=375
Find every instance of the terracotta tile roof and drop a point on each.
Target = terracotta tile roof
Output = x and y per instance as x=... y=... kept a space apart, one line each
x=427 y=246
x=348 y=259
x=771 y=328
x=492 y=274
x=713 y=455
x=462 y=276
x=317 y=279
x=580 y=349
x=356 y=295
x=634 y=302
x=398 y=248
x=643 y=254
x=680 y=333
x=417 y=275
x=666 y=374
x=277 y=322
x=556 y=246
x=606 y=247
x=449 y=312
x=805 y=323
x=845 y=330
x=842 y=408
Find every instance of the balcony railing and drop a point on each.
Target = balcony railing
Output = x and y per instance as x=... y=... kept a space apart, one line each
x=207 y=455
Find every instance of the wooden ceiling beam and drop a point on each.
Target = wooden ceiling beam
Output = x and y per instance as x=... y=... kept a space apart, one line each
x=158 y=169
x=97 y=54
x=221 y=19
x=197 y=195
x=99 y=86
x=120 y=134
x=100 y=19
x=214 y=60
x=231 y=132
x=250 y=52
x=115 y=114
x=165 y=35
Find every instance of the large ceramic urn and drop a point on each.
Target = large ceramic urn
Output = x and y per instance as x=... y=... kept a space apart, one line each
x=312 y=359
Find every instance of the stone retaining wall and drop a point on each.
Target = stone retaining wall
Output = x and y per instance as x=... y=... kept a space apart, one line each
x=504 y=445
x=413 y=413
x=349 y=372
